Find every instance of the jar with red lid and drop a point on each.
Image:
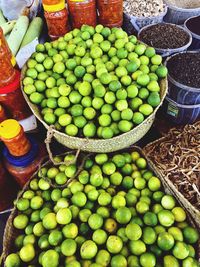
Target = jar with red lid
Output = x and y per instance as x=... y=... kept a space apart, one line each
x=110 y=12
x=14 y=138
x=12 y=100
x=7 y=71
x=56 y=16
x=82 y=13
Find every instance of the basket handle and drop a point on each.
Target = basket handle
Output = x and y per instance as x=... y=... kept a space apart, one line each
x=134 y=23
x=50 y=135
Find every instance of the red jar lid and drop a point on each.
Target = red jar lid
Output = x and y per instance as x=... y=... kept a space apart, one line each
x=13 y=85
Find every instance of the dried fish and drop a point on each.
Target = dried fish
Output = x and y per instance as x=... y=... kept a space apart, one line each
x=178 y=158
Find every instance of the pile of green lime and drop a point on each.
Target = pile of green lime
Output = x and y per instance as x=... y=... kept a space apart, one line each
x=95 y=82
x=114 y=213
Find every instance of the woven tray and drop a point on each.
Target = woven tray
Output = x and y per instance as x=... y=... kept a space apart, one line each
x=99 y=145
x=11 y=233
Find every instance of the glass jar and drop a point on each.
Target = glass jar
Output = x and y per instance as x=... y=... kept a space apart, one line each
x=22 y=168
x=82 y=13
x=57 y=19
x=110 y=12
x=14 y=138
x=12 y=100
x=3 y=116
x=7 y=71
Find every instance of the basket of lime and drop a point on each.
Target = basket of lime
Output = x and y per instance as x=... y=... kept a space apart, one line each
x=114 y=212
x=98 y=87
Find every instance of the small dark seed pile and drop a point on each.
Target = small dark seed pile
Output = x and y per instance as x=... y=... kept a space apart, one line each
x=185 y=68
x=164 y=36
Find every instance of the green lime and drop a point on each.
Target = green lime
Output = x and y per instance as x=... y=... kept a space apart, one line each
x=180 y=250
x=88 y=249
x=27 y=253
x=114 y=244
x=137 y=247
x=133 y=231
x=166 y=218
x=68 y=247
x=99 y=237
x=148 y=259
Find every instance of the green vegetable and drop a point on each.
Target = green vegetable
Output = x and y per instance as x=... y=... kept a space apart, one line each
x=33 y=31
x=18 y=33
x=8 y=26
x=2 y=19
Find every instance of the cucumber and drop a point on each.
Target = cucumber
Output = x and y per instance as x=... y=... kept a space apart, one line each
x=8 y=26
x=17 y=34
x=2 y=19
x=33 y=31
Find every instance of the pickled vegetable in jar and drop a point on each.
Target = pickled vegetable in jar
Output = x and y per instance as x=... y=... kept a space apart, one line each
x=110 y=12
x=57 y=19
x=52 y=2
x=12 y=100
x=82 y=12
x=7 y=71
x=14 y=138
x=22 y=168
x=3 y=116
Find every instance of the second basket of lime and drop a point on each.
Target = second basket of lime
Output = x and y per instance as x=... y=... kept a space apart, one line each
x=98 y=87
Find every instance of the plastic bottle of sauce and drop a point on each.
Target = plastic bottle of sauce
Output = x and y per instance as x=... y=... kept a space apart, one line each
x=22 y=154
x=7 y=71
x=12 y=100
x=56 y=16
x=82 y=12
x=110 y=12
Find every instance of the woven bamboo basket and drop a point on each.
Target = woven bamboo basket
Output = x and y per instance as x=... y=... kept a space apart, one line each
x=193 y=211
x=11 y=233
x=100 y=145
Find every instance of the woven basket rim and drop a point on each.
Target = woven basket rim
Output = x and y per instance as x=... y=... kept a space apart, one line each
x=8 y=237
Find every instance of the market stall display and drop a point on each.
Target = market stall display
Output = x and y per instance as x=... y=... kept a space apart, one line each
x=100 y=87
x=114 y=211
x=97 y=88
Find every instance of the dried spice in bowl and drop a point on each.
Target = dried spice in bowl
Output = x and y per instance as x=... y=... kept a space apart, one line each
x=165 y=36
x=177 y=155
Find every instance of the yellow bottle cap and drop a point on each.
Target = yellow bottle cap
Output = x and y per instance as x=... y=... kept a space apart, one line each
x=9 y=129
x=54 y=8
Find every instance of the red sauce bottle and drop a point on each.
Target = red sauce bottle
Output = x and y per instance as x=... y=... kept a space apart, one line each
x=56 y=16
